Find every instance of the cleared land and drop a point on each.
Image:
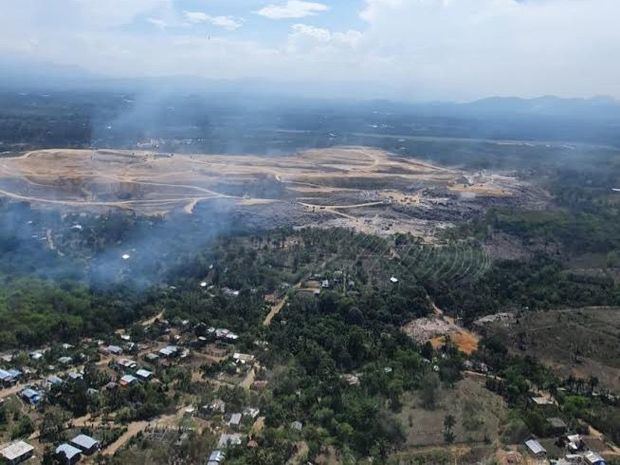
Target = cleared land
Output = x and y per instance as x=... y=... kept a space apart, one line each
x=359 y=187
x=580 y=342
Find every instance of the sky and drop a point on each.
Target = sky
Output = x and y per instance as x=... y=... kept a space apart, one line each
x=411 y=49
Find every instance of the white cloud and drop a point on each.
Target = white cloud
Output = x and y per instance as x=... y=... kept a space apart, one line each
x=160 y=23
x=428 y=49
x=226 y=22
x=292 y=9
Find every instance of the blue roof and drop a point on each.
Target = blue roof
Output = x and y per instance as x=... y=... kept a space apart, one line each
x=5 y=375
x=15 y=373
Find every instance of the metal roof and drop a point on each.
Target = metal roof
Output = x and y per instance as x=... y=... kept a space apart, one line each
x=84 y=442
x=69 y=451
x=535 y=447
x=16 y=450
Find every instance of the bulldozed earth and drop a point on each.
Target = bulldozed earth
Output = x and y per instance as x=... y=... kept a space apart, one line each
x=362 y=188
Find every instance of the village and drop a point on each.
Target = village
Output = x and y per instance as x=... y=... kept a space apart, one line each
x=133 y=384
x=106 y=377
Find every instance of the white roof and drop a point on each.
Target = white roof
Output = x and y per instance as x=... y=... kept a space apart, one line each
x=593 y=457
x=535 y=447
x=229 y=440
x=68 y=450
x=16 y=450
x=142 y=373
x=235 y=419
x=85 y=442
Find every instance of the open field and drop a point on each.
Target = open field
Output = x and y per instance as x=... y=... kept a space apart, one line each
x=359 y=187
x=580 y=342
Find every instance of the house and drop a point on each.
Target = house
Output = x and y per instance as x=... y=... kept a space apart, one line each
x=65 y=360
x=17 y=452
x=36 y=355
x=251 y=412
x=243 y=358
x=31 y=396
x=592 y=458
x=126 y=364
x=297 y=425
x=217 y=406
x=53 y=380
x=235 y=420
x=557 y=425
x=6 y=378
x=535 y=448
x=543 y=401
x=75 y=375
x=68 y=454
x=169 y=351
x=86 y=444
x=16 y=374
x=128 y=380
x=573 y=442
x=227 y=440
x=151 y=357
x=143 y=374
x=113 y=350
x=216 y=457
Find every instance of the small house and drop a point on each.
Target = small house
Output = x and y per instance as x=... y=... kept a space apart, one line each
x=169 y=351
x=128 y=380
x=65 y=360
x=17 y=452
x=53 y=380
x=235 y=420
x=535 y=448
x=6 y=378
x=68 y=454
x=114 y=350
x=557 y=425
x=216 y=457
x=88 y=445
x=243 y=358
x=592 y=458
x=144 y=375
x=227 y=440
x=31 y=396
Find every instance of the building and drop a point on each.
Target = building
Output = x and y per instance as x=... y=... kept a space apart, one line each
x=243 y=358
x=6 y=378
x=86 y=444
x=31 y=396
x=65 y=360
x=227 y=440
x=113 y=350
x=17 y=452
x=151 y=357
x=68 y=454
x=535 y=448
x=53 y=380
x=128 y=380
x=557 y=425
x=235 y=420
x=127 y=364
x=143 y=374
x=216 y=457
x=169 y=351
x=16 y=374
x=592 y=458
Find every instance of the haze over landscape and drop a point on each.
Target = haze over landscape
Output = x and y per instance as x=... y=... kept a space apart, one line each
x=294 y=232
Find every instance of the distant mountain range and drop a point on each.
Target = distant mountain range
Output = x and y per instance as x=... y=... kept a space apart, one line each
x=17 y=73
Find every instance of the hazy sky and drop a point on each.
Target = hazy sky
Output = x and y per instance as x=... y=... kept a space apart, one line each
x=424 y=49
